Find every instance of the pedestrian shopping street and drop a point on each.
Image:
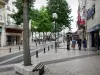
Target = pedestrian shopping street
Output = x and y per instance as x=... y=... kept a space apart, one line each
x=67 y=62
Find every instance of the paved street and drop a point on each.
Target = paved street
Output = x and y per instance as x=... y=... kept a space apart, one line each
x=84 y=66
x=5 y=50
x=85 y=63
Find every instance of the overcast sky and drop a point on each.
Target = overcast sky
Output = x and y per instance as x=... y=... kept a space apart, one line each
x=72 y=3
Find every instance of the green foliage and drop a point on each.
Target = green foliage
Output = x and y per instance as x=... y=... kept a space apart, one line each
x=18 y=17
x=41 y=20
x=63 y=11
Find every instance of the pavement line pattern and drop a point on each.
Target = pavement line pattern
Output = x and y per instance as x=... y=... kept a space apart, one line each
x=68 y=59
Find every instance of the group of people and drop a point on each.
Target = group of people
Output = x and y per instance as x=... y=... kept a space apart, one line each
x=79 y=41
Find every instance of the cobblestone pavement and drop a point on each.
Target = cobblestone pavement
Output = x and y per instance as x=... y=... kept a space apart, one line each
x=81 y=66
x=62 y=53
x=84 y=66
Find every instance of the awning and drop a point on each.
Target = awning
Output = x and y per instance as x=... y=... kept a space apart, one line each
x=97 y=27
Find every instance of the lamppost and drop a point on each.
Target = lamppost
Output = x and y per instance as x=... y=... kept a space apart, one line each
x=55 y=17
x=63 y=32
x=35 y=30
x=35 y=33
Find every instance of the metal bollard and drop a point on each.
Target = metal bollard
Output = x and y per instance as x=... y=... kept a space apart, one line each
x=48 y=48
x=44 y=50
x=19 y=47
x=9 y=50
x=37 y=54
x=52 y=46
x=36 y=44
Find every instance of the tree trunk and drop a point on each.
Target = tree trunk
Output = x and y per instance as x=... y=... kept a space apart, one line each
x=43 y=37
x=46 y=36
x=27 y=57
x=39 y=37
x=32 y=35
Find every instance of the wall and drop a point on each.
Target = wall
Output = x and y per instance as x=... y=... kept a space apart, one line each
x=10 y=9
x=96 y=20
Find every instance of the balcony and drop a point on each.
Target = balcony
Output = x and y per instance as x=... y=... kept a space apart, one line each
x=17 y=27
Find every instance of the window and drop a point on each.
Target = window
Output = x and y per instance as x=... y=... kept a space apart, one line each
x=8 y=8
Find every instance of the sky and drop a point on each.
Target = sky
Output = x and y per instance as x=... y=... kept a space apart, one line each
x=72 y=3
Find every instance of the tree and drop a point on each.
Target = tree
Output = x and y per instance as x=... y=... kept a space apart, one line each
x=18 y=16
x=41 y=20
x=63 y=10
x=27 y=56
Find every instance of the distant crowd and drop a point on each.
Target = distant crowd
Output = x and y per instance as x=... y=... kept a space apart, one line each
x=78 y=41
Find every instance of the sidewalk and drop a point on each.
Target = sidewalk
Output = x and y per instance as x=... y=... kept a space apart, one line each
x=66 y=67
x=6 y=50
x=62 y=53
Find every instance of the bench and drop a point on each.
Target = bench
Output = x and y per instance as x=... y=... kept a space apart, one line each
x=39 y=69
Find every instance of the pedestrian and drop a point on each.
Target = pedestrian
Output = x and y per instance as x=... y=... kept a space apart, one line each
x=84 y=44
x=79 y=42
x=73 y=43
x=68 y=42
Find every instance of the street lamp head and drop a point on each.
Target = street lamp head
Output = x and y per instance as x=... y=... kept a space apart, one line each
x=54 y=15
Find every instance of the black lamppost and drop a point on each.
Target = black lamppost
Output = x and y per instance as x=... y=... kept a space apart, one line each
x=55 y=17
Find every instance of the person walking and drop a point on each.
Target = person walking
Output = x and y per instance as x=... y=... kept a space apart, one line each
x=84 y=44
x=79 y=42
x=73 y=43
x=68 y=42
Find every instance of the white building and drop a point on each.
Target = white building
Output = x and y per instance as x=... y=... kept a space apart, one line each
x=11 y=33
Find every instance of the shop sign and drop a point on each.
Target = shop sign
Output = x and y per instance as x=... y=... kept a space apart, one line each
x=90 y=12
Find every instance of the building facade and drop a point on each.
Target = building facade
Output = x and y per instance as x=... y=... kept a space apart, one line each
x=2 y=19
x=81 y=18
x=11 y=34
x=92 y=23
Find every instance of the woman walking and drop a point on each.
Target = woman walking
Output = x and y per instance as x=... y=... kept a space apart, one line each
x=84 y=44
x=73 y=43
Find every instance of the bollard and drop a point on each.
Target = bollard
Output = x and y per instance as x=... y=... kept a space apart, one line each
x=9 y=50
x=52 y=46
x=37 y=54
x=19 y=47
x=44 y=50
x=36 y=44
x=48 y=48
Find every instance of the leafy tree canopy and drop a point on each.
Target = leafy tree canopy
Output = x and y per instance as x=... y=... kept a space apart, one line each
x=63 y=11
x=41 y=19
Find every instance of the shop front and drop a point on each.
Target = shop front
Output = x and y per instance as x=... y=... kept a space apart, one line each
x=95 y=36
x=13 y=36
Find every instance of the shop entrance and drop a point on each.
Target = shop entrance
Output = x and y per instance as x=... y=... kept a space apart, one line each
x=13 y=40
x=95 y=39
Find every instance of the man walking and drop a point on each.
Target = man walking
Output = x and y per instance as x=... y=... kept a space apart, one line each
x=68 y=42
x=79 y=42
